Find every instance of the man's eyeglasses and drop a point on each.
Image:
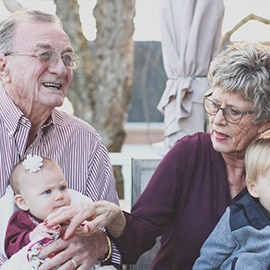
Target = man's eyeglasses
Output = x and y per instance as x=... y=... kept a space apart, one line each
x=71 y=60
x=231 y=115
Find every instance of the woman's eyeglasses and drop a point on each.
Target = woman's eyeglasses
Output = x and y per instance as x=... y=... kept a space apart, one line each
x=231 y=115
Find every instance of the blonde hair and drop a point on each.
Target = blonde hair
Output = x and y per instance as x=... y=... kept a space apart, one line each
x=257 y=162
x=19 y=173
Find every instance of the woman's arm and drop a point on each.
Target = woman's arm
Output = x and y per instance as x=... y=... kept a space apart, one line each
x=90 y=216
x=217 y=247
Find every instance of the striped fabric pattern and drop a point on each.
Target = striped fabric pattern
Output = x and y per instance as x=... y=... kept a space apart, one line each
x=69 y=141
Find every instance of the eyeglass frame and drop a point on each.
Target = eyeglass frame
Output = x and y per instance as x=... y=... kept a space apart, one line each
x=224 y=110
x=57 y=56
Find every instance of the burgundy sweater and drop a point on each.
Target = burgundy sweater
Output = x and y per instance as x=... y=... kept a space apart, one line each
x=185 y=198
x=19 y=227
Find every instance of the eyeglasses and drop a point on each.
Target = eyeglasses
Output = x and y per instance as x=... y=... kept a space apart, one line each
x=231 y=115
x=70 y=60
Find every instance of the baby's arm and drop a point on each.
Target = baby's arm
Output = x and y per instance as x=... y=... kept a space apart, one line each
x=42 y=231
x=217 y=247
x=21 y=231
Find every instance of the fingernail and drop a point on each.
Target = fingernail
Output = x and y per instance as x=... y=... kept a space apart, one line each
x=45 y=222
x=87 y=228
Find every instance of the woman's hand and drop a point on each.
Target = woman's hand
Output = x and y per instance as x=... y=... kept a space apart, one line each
x=90 y=216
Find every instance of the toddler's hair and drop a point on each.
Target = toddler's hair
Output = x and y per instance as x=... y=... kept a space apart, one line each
x=257 y=162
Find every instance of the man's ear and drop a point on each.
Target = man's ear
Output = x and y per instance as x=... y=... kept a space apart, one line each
x=4 y=72
x=252 y=188
x=20 y=202
x=2 y=62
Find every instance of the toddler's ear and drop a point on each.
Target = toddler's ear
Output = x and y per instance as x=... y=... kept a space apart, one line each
x=252 y=188
x=20 y=202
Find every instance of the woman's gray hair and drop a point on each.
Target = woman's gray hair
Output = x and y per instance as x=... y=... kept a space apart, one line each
x=8 y=26
x=244 y=68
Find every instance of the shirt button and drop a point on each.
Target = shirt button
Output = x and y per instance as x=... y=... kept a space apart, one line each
x=10 y=134
x=23 y=121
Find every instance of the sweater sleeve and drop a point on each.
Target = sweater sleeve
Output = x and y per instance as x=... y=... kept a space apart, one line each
x=17 y=234
x=218 y=247
x=152 y=213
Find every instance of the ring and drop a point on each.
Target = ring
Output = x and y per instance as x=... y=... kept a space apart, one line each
x=75 y=265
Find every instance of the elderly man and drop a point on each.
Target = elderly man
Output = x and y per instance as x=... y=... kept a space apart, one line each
x=36 y=62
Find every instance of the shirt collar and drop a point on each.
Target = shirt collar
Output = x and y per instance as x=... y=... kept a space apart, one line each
x=12 y=115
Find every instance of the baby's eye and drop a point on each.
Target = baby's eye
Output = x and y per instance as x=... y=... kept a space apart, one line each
x=48 y=191
x=63 y=188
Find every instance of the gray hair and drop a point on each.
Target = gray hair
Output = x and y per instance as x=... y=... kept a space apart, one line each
x=244 y=68
x=8 y=26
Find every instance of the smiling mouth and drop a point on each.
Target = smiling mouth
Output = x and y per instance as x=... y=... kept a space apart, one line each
x=52 y=85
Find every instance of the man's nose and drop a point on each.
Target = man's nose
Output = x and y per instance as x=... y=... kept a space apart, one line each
x=58 y=66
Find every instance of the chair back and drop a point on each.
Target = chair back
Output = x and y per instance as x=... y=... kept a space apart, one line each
x=142 y=170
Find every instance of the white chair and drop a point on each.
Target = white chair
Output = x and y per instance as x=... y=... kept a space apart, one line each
x=141 y=171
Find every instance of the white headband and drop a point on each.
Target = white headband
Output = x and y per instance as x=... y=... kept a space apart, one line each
x=33 y=163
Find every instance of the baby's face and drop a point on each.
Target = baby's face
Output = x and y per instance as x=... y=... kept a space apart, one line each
x=45 y=191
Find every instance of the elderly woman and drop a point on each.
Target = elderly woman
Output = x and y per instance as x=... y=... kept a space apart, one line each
x=200 y=176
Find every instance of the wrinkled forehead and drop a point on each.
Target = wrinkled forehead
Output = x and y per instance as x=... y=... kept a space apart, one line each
x=31 y=35
x=230 y=98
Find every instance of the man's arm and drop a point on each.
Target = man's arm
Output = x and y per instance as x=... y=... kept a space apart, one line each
x=100 y=171
x=2 y=260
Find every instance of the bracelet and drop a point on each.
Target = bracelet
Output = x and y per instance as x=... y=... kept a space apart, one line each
x=109 y=254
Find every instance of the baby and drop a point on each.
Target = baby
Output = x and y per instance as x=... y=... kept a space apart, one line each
x=40 y=188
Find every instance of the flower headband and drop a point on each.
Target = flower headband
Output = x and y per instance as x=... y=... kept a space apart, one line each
x=33 y=163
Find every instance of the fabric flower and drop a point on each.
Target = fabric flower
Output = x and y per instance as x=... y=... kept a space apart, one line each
x=33 y=163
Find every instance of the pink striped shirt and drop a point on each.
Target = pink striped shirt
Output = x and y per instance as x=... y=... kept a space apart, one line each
x=69 y=141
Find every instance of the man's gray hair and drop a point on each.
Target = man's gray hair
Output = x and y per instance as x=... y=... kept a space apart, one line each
x=8 y=26
x=244 y=68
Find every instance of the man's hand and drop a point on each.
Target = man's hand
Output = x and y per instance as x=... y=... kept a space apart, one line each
x=84 y=250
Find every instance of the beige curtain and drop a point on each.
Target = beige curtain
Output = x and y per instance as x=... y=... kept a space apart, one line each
x=191 y=32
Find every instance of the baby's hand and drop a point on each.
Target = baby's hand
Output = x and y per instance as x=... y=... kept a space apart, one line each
x=43 y=231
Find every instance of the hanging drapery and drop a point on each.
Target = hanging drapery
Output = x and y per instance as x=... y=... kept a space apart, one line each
x=190 y=38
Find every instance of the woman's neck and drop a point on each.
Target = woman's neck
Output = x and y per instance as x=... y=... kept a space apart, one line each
x=235 y=168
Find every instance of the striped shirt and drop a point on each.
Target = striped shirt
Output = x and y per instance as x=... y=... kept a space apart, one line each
x=69 y=141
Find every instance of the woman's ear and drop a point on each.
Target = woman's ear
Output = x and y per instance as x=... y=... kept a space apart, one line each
x=264 y=128
x=252 y=188
x=20 y=202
